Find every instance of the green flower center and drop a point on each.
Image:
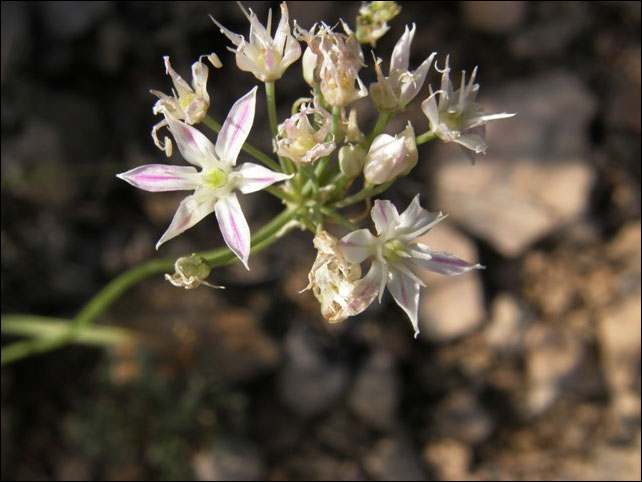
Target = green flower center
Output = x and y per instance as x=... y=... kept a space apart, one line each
x=215 y=178
x=393 y=250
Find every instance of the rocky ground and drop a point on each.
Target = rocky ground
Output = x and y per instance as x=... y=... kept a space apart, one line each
x=527 y=370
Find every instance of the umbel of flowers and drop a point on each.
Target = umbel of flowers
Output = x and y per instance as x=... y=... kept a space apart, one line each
x=320 y=161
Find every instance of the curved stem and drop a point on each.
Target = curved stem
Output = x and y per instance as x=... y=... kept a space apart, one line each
x=247 y=147
x=382 y=121
x=346 y=223
x=425 y=137
x=268 y=234
x=366 y=192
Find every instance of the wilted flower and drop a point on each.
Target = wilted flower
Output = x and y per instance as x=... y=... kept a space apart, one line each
x=391 y=156
x=372 y=22
x=303 y=141
x=395 y=257
x=265 y=57
x=333 y=60
x=396 y=91
x=456 y=117
x=215 y=184
x=190 y=272
x=187 y=103
x=332 y=280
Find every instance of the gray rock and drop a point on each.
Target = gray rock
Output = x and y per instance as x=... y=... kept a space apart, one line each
x=461 y=416
x=553 y=355
x=394 y=458
x=507 y=327
x=310 y=382
x=376 y=391
x=452 y=309
x=231 y=460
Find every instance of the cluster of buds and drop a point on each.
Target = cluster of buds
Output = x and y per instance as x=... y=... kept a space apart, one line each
x=321 y=161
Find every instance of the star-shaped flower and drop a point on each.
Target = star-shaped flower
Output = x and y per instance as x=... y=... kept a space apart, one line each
x=395 y=257
x=265 y=57
x=456 y=117
x=215 y=185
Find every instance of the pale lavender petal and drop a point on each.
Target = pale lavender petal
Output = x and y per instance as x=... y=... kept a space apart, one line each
x=161 y=177
x=430 y=109
x=385 y=216
x=357 y=246
x=194 y=146
x=182 y=87
x=234 y=228
x=405 y=291
x=415 y=220
x=191 y=210
x=318 y=151
x=253 y=177
x=366 y=289
x=401 y=52
x=439 y=262
x=236 y=128
x=409 y=90
x=474 y=142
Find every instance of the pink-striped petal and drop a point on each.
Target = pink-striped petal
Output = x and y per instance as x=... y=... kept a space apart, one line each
x=439 y=262
x=405 y=291
x=385 y=216
x=415 y=220
x=253 y=177
x=194 y=146
x=234 y=228
x=357 y=246
x=161 y=177
x=366 y=289
x=191 y=210
x=236 y=128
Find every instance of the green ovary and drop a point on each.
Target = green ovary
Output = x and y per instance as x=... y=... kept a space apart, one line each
x=393 y=250
x=215 y=178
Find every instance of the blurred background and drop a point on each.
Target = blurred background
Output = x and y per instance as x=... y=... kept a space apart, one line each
x=529 y=369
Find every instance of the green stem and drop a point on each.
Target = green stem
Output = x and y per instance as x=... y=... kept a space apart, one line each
x=425 y=137
x=268 y=234
x=366 y=192
x=382 y=121
x=331 y=213
x=247 y=147
x=45 y=327
x=286 y=164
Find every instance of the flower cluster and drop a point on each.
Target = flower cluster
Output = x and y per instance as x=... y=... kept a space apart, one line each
x=321 y=161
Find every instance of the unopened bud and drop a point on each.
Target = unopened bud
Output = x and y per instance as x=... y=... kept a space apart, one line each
x=391 y=157
x=351 y=160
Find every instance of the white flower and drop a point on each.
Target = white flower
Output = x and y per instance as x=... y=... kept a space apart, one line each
x=300 y=141
x=215 y=184
x=395 y=258
x=265 y=57
x=456 y=117
x=187 y=103
x=395 y=92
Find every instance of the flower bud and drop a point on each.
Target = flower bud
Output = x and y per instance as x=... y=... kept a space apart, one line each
x=351 y=160
x=372 y=22
x=390 y=157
